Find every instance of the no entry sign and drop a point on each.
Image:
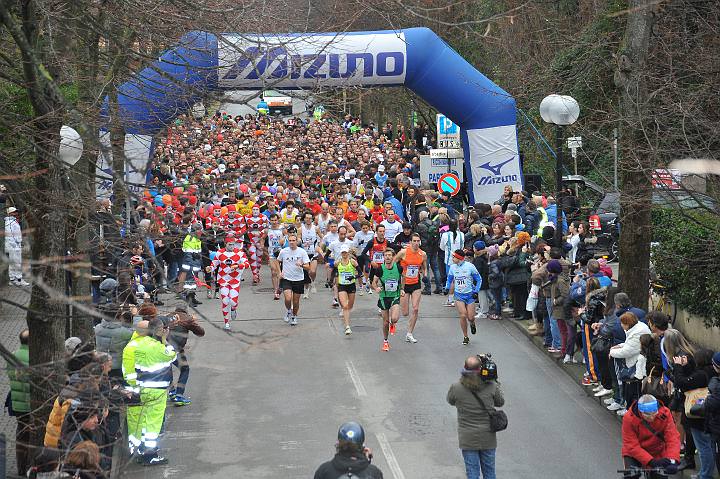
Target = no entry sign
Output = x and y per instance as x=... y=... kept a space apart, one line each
x=449 y=182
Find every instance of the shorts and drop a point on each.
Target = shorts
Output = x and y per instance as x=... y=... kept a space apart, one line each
x=388 y=302
x=410 y=288
x=466 y=298
x=297 y=287
x=347 y=288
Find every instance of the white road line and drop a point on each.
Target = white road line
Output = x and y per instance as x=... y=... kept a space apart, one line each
x=355 y=378
x=390 y=456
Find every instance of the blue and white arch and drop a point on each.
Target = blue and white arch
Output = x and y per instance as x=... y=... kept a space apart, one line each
x=416 y=57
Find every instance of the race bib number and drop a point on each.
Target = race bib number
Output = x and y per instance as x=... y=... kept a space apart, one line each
x=461 y=282
x=346 y=277
x=391 y=285
x=378 y=257
x=412 y=271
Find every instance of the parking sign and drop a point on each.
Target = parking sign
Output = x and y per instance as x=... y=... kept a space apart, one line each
x=448 y=132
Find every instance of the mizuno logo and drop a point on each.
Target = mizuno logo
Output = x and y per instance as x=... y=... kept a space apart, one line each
x=495 y=169
x=254 y=63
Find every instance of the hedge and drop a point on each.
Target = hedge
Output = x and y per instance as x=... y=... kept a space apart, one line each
x=687 y=260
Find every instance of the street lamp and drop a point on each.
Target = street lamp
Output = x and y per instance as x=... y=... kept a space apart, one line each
x=71 y=146
x=559 y=110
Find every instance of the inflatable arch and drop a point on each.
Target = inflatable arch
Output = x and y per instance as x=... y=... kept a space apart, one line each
x=416 y=58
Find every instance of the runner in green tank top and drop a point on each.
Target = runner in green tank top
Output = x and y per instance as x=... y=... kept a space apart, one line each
x=387 y=280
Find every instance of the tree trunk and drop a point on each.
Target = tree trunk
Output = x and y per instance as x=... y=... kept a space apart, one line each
x=636 y=161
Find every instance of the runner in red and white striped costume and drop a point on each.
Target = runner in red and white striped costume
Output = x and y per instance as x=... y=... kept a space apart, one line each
x=229 y=262
x=257 y=225
x=235 y=222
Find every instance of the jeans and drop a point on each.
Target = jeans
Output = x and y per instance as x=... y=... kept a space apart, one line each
x=497 y=297
x=554 y=329
x=182 y=364
x=483 y=459
x=704 y=445
x=619 y=394
x=173 y=268
x=432 y=259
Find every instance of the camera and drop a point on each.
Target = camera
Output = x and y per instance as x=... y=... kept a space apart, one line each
x=488 y=368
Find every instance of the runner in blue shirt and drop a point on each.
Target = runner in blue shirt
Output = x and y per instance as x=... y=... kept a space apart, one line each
x=464 y=282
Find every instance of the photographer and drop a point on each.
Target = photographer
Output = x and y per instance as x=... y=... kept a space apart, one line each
x=474 y=397
x=650 y=439
x=352 y=458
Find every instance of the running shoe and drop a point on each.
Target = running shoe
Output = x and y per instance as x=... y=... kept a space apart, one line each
x=608 y=401
x=209 y=294
x=227 y=326
x=171 y=393
x=335 y=303
x=614 y=406
x=288 y=316
x=386 y=346
x=294 y=321
x=233 y=314
x=313 y=289
x=449 y=303
x=466 y=341
x=153 y=460
x=306 y=295
x=588 y=382
x=473 y=329
x=360 y=291
x=392 y=328
x=180 y=400
x=368 y=289
x=348 y=331
x=410 y=338
x=603 y=392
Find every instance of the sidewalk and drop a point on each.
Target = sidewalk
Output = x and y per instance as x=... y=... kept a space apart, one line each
x=12 y=321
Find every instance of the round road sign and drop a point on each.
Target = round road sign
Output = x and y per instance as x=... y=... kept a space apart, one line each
x=449 y=182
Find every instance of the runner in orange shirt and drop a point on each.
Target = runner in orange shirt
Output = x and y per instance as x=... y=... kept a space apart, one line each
x=414 y=263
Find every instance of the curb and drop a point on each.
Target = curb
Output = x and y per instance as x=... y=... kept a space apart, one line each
x=575 y=371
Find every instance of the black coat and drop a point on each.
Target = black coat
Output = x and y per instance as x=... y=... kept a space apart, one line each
x=712 y=408
x=690 y=377
x=343 y=463
x=481 y=264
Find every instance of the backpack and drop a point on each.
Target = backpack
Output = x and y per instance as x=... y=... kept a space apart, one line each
x=433 y=233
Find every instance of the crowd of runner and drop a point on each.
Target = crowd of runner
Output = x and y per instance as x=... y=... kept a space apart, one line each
x=339 y=206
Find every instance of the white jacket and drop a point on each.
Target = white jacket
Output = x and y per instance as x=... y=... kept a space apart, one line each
x=13 y=233
x=630 y=349
x=448 y=245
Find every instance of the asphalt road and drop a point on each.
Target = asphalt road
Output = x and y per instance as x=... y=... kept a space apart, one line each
x=268 y=398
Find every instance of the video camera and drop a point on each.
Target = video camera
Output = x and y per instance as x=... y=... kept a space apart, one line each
x=488 y=368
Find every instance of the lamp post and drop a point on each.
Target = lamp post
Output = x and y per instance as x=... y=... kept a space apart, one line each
x=561 y=111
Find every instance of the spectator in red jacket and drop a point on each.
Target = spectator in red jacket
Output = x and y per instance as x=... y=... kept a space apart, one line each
x=650 y=439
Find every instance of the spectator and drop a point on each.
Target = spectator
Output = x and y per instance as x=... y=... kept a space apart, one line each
x=352 y=458
x=111 y=337
x=83 y=461
x=13 y=247
x=631 y=370
x=20 y=403
x=180 y=327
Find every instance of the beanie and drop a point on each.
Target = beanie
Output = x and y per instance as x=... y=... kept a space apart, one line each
x=479 y=244
x=554 y=267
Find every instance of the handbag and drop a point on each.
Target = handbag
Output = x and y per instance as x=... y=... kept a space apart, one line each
x=694 y=397
x=677 y=399
x=653 y=385
x=625 y=372
x=498 y=419
x=601 y=346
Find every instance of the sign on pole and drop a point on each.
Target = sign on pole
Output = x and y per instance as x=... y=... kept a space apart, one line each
x=449 y=183
x=436 y=164
x=448 y=133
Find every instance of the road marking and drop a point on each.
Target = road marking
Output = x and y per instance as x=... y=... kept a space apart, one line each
x=390 y=456
x=355 y=378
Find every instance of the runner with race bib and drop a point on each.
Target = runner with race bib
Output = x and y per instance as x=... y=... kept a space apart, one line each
x=414 y=263
x=464 y=282
x=387 y=281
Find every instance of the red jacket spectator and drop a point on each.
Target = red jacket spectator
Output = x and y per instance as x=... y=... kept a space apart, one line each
x=641 y=444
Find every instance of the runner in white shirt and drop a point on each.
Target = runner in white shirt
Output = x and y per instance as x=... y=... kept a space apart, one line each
x=329 y=237
x=323 y=218
x=361 y=239
x=309 y=237
x=275 y=241
x=295 y=262
x=334 y=249
x=393 y=227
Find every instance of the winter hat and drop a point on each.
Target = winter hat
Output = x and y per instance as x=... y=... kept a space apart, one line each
x=716 y=359
x=511 y=207
x=492 y=251
x=71 y=345
x=554 y=267
x=479 y=245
